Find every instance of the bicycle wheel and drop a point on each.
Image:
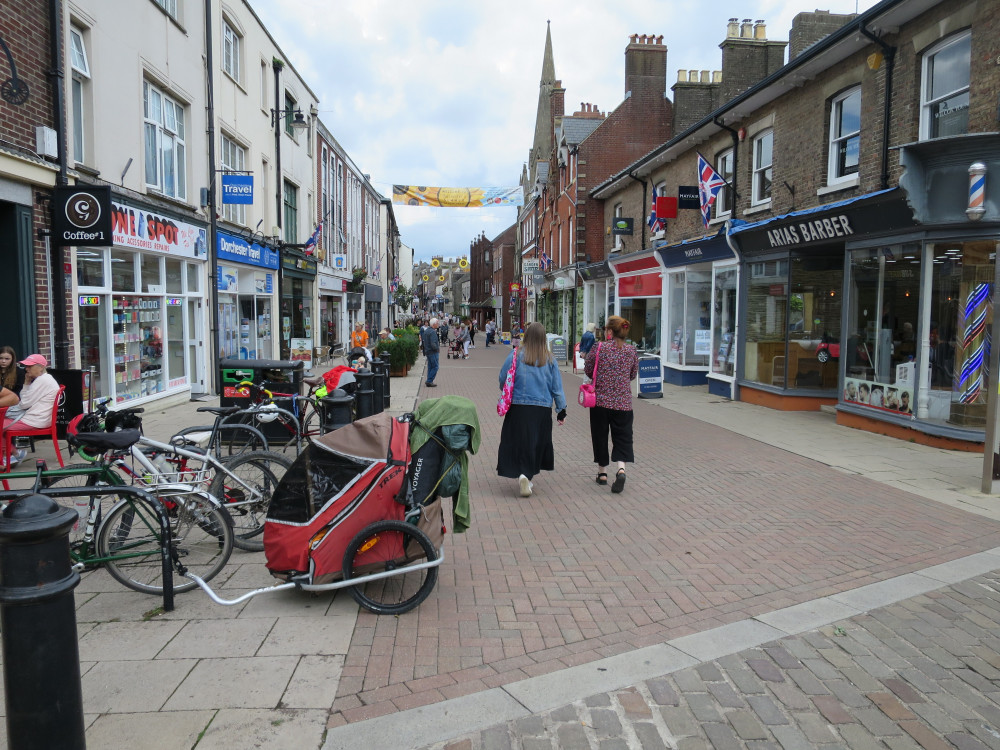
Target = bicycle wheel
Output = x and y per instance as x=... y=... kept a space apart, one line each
x=390 y=546
x=81 y=504
x=202 y=541
x=313 y=426
x=238 y=439
x=247 y=503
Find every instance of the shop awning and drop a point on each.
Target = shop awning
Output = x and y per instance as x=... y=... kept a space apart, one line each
x=698 y=250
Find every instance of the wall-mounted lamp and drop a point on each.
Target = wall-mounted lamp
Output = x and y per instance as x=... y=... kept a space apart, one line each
x=977 y=191
x=299 y=121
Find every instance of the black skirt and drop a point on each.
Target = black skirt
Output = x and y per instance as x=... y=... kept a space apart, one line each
x=526 y=442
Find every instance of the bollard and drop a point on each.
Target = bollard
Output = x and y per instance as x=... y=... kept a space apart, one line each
x=386 y=401
x=364 y=395
x=41 y=655
x=336 y=410
x=378 y=386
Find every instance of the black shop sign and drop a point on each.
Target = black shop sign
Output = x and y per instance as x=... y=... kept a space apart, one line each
x=81 y=215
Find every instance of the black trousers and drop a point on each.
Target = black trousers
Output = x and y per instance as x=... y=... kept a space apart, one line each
x=619 y=423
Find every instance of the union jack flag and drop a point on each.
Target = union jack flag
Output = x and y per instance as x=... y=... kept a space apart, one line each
x=310 y=245
x=709 y=185
x=378 y=269
x=655 y=224
x=394 y=284
x=546 y=261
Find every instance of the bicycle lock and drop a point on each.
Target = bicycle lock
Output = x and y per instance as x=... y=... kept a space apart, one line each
x=41 y=655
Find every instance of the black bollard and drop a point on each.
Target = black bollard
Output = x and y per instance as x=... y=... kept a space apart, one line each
x=385 y=372
x=41 y=656
x=378 y=386
x=364 y=395
x=336 y=410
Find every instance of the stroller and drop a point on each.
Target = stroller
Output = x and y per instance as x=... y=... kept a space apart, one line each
x=360 y=509
x=455 y=348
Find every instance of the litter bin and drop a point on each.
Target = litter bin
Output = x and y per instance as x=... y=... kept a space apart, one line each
x=276 y=375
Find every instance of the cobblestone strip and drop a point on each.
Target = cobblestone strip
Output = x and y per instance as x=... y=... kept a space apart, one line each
x=921 y=674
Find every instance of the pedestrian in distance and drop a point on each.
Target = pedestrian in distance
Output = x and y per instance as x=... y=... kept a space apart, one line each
x=612 y=365
x=472 y=332
x=491 y=329
x=587 y=340
x=526 y=436
x=432 y=350
x=465 y=339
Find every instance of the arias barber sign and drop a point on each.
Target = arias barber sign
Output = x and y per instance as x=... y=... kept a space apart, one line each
x=81 y=215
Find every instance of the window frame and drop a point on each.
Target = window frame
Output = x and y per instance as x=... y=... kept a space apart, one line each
x=758 y=169
x=79 y=78
x=169 y=7
x=290 y=106
x=178 y=137
x=926 y=61
x=234 y=212
x=617 y=213
x=724 y=196
x=231 y=37
x=834 y=176
x=290 y=210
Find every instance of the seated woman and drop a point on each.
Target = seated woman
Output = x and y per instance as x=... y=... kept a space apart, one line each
x=11 y=376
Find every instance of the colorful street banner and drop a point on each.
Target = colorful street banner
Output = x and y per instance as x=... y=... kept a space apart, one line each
x=449 y=197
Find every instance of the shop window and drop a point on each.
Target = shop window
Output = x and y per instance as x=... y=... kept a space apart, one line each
x=643 y=316
x=89 y=267
x=174 y=276
x=958 y=339
x=122 y=271
x=763 y=146
x=944 y=91
x=882 y=320
x=164 y=135
x=724 y=320
x=152 y=278
x=194 y=272
x=766 y=321
x=814 y=311
x=689 y=318
x=724 y=200
x=845 y=136
x=93 y=324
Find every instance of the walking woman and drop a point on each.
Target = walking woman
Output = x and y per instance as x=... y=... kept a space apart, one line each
x=526 y=437
x=612 y=365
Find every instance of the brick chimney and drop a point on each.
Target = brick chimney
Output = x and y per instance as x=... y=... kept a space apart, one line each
x=589 y=110
x=696 y=94
x=646 y=65
x=747 y=56
x=809 y=28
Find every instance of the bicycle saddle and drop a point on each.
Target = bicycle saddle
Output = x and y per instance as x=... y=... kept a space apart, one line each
x=106 y=441
x=220 y=410
x=313 y=380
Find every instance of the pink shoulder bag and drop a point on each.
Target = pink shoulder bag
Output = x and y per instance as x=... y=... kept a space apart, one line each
x=507 y=394
x=587 y=397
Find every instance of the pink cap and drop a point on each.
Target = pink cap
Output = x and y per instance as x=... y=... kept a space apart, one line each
x=34 y=359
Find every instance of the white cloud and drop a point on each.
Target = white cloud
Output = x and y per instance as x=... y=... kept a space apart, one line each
x=441 y=93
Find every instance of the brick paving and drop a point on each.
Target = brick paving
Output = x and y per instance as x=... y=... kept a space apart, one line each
x=922 y=673
x=713 y=527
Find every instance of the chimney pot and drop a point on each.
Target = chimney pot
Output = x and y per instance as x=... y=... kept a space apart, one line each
x=632 y=39
x=682 y=76
x=716 y=76
x=693 y=76
x=746 y=29
x=704 y=76
x=732 y=28
x=759 y=30
x=659 y=39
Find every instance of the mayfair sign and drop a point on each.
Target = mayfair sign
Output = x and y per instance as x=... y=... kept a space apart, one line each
x=829 y=228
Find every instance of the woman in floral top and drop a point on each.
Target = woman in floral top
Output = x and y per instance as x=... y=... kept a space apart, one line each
x=617 y=366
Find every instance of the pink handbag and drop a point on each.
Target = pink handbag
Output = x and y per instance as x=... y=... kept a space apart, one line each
x=507 y=394
x=587 y=397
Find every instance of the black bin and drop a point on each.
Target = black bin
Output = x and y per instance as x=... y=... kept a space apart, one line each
x=276 y=375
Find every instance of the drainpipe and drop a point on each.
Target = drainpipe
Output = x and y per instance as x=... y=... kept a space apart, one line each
x=890 y=64
x=213 y=230
x=736 y=140
x=644 y=199
x=60 y=345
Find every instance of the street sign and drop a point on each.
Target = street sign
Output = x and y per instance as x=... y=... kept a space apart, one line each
x=530 y=265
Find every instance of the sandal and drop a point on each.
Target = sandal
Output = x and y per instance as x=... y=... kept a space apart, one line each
x=619 y=484
x=602 y=478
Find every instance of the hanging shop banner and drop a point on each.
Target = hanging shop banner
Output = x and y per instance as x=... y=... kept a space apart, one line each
x=449 y=197
x=237 y=189
x=148 y=230
x=687 y=197
x=623 y=226
x=81 y=215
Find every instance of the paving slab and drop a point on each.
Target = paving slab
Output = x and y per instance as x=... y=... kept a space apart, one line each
x=277 y=729
x=807 y=616
x=123 y=687
x=255 y=682
x=150 y=731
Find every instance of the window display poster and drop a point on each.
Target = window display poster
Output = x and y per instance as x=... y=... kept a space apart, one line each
x=263 y=283
x=302 y=351
x=227 y=279
x=896 y=398
x=703 y=341
x=286 y=327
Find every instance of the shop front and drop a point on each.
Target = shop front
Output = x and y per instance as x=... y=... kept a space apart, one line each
x=298 y=279
x=373 y=308
x=597 y=278
x=139 y=306
x=246 y=280
x=638 y=298
x=701 y=282
x=332 y=312
x=805 y=323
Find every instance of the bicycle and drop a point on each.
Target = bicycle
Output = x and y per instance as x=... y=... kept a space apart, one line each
x=127 y=530
x=242 y=484
x=303 y=423
x=222 y=437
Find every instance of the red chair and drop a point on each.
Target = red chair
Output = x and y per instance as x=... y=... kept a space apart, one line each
x=19 y=430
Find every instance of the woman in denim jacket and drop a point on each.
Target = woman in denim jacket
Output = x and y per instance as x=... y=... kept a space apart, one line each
x=526 y=437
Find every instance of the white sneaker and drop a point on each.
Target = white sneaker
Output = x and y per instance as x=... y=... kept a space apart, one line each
x=525 y=486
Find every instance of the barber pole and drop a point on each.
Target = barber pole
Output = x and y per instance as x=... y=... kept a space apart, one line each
x=977 y=191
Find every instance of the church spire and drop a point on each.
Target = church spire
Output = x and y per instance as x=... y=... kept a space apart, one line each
x=548 y=63
x=541 y=148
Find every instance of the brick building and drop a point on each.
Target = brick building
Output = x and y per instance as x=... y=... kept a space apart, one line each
x=850 y=259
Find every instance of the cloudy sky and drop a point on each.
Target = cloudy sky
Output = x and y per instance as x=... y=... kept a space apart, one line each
x=444 y=93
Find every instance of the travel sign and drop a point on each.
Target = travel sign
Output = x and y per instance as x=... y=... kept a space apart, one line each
x=237 y=189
